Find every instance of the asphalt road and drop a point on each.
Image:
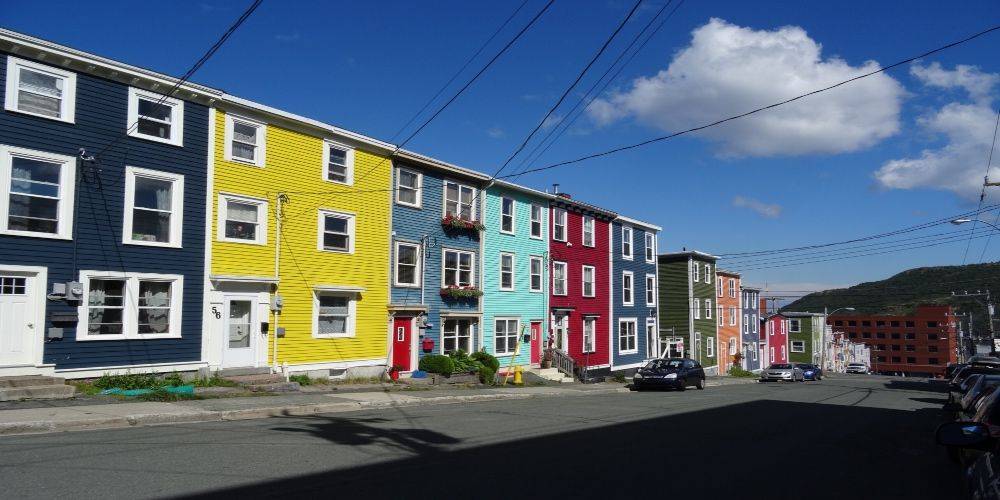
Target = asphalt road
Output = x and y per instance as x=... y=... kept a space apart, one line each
x=862 y=437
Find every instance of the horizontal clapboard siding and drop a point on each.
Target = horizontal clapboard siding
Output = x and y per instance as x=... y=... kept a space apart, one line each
x=639 y=310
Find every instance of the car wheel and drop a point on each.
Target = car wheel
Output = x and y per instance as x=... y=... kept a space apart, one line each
x=700 y=384
x=682 y=386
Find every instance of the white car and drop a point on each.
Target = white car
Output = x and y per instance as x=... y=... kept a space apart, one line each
x=857 y=368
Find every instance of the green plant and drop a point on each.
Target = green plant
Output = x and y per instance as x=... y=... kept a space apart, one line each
x=738 y=371
x=304 y=379
x=464 y=363
x=86 y=388
x=460 y=292
x=486 y=375
x=620 y=378
x=160 y=394
x=214 y=381
x=437 y=363
x=127 y=381
x=486 y=359
x=173 y=379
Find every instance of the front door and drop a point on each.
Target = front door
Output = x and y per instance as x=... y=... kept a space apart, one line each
x=402 y=342
x=242 y=332
x=651 y=341
x=560 y=330
x=16 y=327
x=536 y=342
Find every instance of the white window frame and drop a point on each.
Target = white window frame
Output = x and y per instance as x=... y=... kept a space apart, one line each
x=517 y=332
x=472 y=332
x=67 y=105
x=352 y=315
x=721 y=312
x=348 y=162
x=559 y=220
x=472 y=267
x=732 y=346
x=176 y=116
x=772 y=355
x=67 y=191
x=708 y=273
x=732 y=316
x=540 y=274
x=565 y=268
x=444 y=199
x=262 y=213
x=627 y=243
x=634 y=334
x=732 y=288
x=755 y=323
x=540 y=221
x=651 y=290
x=419 y=189
x=746 y=323
x=261 y=153
x=512 y=216
x=130 y=314
x=696 y=273
x=322 y=214
x=417 y=275
x=513 y=271
x=588 y=232
x=176 y=206
x=709 y=347
x=708 y=308
x=591 y=337
x=801 y=346
x=583 y=281
x=628 y=290
x=697 y=308
x=650 y=249
x=794 y=325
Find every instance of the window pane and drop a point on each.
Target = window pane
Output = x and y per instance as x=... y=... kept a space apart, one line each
x=154 y=307
x=332 y=324
x=244 y=151
x=338 y=156
x=407 y=255
x=244 y=133
x=40 y=83
x=29 y=213
x=336 y=224
x=155 y=110
x=406 y=274
x=407 y=179
x=332 y=304
x=335 y=241
x=104 y=321
x=148 y=225
x=153 y=128
x=108 y=293
x=33 y=103
x=153 y=193
x=239 y=323
x=451 y=260
x=408 y=196
x=28 y=170
x=154 y=294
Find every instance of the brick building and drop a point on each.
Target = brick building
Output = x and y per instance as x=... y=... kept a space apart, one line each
x=921 y=344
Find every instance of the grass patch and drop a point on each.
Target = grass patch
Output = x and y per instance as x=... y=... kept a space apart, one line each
x=739 y=372
x=85 y=388
x=304 y=380
x=361 y=380
x=127 y=381
x=214 y=381
x=161 y=395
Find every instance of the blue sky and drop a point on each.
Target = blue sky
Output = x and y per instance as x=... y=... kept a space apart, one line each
x=859 y=167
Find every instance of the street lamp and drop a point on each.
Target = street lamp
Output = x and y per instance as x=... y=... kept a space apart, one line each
x=826 y=323
x=959 y=222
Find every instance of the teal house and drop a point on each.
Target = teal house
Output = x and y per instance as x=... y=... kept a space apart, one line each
x=514 y=271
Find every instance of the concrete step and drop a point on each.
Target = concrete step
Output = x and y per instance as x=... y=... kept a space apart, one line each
x=37 y=392
x=239 y=372
x=275 y=387
x=30 y=381
x=258 y=379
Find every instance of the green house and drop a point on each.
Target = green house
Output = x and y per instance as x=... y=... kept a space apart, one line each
x=805 y=336
x=687 y=294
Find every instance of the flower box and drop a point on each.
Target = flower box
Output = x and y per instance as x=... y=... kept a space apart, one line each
x=461 y=292
x=452 y=222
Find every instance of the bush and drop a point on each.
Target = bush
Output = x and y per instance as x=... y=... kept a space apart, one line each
x=487 y=360
x=437 y=363
x=127 y=381
x=463 y=363
x=173 y=379
x=486 y=375
x=738 y=371
x=301 y=379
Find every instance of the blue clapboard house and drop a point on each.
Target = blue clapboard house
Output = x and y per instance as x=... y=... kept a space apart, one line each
x=634 y=301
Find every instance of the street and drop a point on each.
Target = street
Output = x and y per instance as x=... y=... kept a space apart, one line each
x=861 y=437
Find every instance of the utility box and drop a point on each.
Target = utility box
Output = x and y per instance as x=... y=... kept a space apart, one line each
x=54 y=333
x=280 y=332
x=277 y=302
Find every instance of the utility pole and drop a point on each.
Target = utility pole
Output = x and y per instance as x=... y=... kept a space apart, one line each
x=989 y=312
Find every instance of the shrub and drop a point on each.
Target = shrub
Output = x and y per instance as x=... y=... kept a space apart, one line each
x=173 y=379
x=738 y=371
x=487 y=359
x=301 y=379
x=486 y=375
x=463 y=363
x=127 y=381
x=437 y=363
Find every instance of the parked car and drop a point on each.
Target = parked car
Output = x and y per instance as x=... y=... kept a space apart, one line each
x=810 y=371
x=981 y=478
x=970 y=370
x=988 y=414
x=956 y=393
x=857 y=368
x=952 y=369
x=984 y=386
x=669 y=373
x=784 y=372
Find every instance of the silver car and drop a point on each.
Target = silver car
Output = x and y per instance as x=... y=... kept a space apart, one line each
x=857 y=368
x=782 y=372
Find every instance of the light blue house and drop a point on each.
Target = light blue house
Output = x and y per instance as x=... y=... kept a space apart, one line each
x=634 y=287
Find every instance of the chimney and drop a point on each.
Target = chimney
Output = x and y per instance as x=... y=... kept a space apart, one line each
x=555 y=188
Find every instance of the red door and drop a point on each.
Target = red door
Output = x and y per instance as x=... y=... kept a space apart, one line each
x=536 y=342
x=401 y=343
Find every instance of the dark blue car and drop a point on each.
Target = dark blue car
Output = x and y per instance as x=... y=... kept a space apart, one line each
x=810 y=371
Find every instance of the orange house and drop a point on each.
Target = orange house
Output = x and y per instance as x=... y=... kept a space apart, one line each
x=727 y=289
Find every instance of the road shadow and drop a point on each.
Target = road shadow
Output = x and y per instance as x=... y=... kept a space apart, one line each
x=923 y=386
x=933 y=401
x=817 y=451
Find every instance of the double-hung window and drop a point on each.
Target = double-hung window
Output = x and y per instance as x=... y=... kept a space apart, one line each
x=507 y=215
x=154 y=208
x=155 y=117
x=798 y=346
x=627 y=337
x=408 y=188
x=650 y=247
x=746 y=323
x=505 y=336
x=458 y=268
x=696 y=273
x=506 y=271
x=559 y=224
x=589 y=330
x=459 y=200
x=118 y=306
x=536 y=274
x=710 y=347
x=335 y=314
x=732 y=346
x=708 y=273
x=407 y=264
x=242 y=219
x=721 y=318
x=537 y=226
x=456 y=336
x=36 y=193
x=336 y=232
x=627 y=287
x=697 y=308
x=732 y=316
x=732 y=288
x=559 y=277
x=651 y=290
x=794 y=326
x=40 y=90
x=708 y=308
x=588 y=281
x=588 y=231
x=245 y=140
x=338 y=163
x=626 y=243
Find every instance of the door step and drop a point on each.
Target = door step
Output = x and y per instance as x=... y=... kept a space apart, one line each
x=552 y=375
x=34 y=387
x=238 y=372
x=264 y=382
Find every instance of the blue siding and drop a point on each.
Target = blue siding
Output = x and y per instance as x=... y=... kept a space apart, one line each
x=639 y=310
x=751 y=332
x=101 y=117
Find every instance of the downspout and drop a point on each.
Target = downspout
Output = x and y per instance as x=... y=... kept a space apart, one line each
x=690 y=280
x=278 y=212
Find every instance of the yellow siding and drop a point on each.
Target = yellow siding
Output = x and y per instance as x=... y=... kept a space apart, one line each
x=293 y=165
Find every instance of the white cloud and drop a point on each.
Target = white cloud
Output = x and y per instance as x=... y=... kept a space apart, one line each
x=957 y=166
x=768 y=210
x=496 y=132
x=728 y=69
x=553 y=120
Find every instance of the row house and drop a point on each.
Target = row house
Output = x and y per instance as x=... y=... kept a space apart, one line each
x=753 y=349
x=729 y=316
x=686 y=292
x=774 y=338
x=805 y=336
x=635 y=334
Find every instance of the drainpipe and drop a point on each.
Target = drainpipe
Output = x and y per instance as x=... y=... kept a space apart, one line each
x=278 y=212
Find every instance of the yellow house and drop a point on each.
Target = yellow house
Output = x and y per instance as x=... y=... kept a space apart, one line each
x=299 y=243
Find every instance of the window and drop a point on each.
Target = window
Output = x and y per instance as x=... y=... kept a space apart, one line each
x=910 y=336
x=40 y=90
x=336 y=232
x=155 y=117
x=627 y=338
x=881 y=359
x=932 y=361
x=697 y=308
x=880 y=323
x=334 y=314
x=732 y=288
x=651 y=290
x=852 y=323
x=338 y=163
x=784 y=355
x=746 y=323
x=794 y=326
x=36 y=193
x=536 y=274
x=559 y=278
x=245 y=140
x=931 y=324
x=718 y=288
x=627 y=288
x=878 y=335
x=895 y=347
x=708 y=273
x=772 y=355
x=755 y=323
x=910 y=347
x=880 y=347
x=459 y=200
x=798 y=346
x=866 y=335
x=627 y=243
x=895 y=336
x=911 y=361
x=895 y=324
x=909 y=324
x=559 y=224
x=536 y=221
x=408 y=263
x=838 y=323
x=505 y=336
x=242 y=219
x=507 y=271
x=708 y=308
x=932 y=336
x=457 y=267
x=866 y=323
x=932 y=348
x=588 y=231
x=650 y=247
x=507 y=215
x=119 y=306
x=895 y=359
x=732 y=316
x=154 y=208
x=588 y=281
x=722 y=315
x=710 y=347
x=732 y=346
x=408 y=188
x=456 y=336
x=697 y=272
x=589 y=327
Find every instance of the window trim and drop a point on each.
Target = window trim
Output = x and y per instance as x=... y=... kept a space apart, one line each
x=583 y=281
x=593 y=335
x=651 y=289
x=67 y=182
x=541 y=274
x=473 y=323
x=419 y=188
x=593 y=231
x=348 y=162
x=555 y=223
x=732 y=316
x=628 y=242
x=130 y=324
x=802 y=346
x=472 y=267
x=708 y=273
x=513 y=215
x=517 y=333
x=732 y=288
x=635 y=333
x=709 y=347
x=697 y=308
x=227 y=151
x=444 y=199
x=417 y=270
x=630 y=289
x=67 y=105
x=176 y=206
x=176 y=116
x=798 y=325
x=262 y=213
x=708 y=308
x=696 y=274
x=322 y=213
x=540 y=221
x=649 y=240
x=352 y=315
x=513 y=271
x=565 y=267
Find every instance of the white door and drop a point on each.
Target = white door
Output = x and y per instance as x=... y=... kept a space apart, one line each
x=559 y=331
x=16 y=328
x=242 y=332
x=652 y=342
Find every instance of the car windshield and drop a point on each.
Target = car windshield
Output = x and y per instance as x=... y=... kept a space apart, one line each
x=804 y=366
x=780 y=366
x=855 y=364
x=659 y=364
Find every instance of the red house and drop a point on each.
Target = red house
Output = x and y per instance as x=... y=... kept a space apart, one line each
x=579 y=294
x=776 y=331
